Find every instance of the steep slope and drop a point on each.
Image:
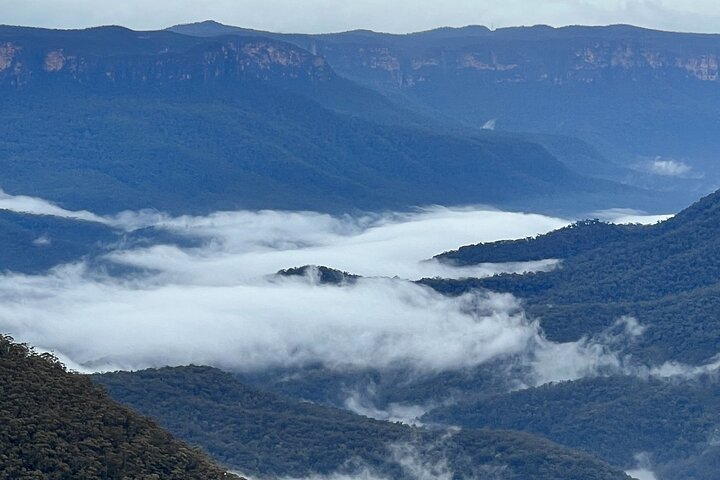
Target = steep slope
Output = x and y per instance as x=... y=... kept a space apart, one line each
x=110 y=119
x=636 y=94
x=615 y=418
x=562 y=244
x=56 y=424
x=665 y=275
x=240 y=424
x=103 y=57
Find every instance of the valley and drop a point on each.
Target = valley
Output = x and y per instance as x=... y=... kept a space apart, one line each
x=462 y=253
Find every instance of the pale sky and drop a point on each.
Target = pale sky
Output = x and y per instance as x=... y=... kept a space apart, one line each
x=399 y=16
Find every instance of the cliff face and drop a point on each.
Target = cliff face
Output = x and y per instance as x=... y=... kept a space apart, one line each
x=635 y=94
x=537 y=54
x=497 y=60
x=32 y=56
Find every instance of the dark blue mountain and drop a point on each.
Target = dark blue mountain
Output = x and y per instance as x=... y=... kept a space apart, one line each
x=645 y=99
x=665 y=275
x=674 y=423
x=274 y=436
x=109 y=119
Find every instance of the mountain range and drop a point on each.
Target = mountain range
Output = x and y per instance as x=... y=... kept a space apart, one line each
x=663 y=275
x=206 y=117
x=270 y=435
x=645 y=99
x=109 y=119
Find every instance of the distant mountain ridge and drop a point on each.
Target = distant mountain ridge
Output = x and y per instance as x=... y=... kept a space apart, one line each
x=109 y=119
x=638 y=95
x=406 y=60
x=119 y=56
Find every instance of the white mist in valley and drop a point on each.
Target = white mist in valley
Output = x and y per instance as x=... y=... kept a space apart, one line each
x=642 y=474
x=416 y=462
x=220 y=304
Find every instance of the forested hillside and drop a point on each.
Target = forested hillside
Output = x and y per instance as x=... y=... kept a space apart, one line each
x=615 y=418
x=109 y=119
x=271 y=435
x=645 y=99
x=560 y=244
x=58 y=425
x=664 y=275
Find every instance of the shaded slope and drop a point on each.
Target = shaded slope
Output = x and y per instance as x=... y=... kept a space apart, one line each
x=562 y=244
x=261 y=148
x=58 y=425
x=33 y=244
x=666 y=275
x=614 y=418
x=109 y=119
x=633 y=93
x=240 y=424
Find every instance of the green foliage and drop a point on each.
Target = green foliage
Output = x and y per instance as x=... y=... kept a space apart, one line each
x=561 y=244
x=252 y=148
x=665 y=275
x=157 y=121
x=270 y=435
x=58 y=425
x=614 y=418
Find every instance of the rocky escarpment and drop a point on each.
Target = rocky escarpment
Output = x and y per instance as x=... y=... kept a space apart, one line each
x=637 y=95
x=514 y=56
x=511 y=55
x=36 y=56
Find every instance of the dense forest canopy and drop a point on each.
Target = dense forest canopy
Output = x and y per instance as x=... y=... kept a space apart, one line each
x=664 y=275
x=59 y=425
x=272 y=435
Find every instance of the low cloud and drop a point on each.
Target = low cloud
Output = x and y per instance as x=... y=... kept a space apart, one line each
x=248 y=244
x=220 y=304
x=643 y=470
x=669 y=168
x=642 y=474
x=376 y=323
x=394 y=412
x=422 y=462
x=38 y=206
x=624 y=216
x=673 y=369
x=589 y=356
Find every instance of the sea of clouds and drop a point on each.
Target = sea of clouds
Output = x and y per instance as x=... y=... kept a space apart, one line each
x=219 y=302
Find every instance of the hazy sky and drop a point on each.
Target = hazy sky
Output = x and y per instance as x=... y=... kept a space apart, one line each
x=380 y=15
